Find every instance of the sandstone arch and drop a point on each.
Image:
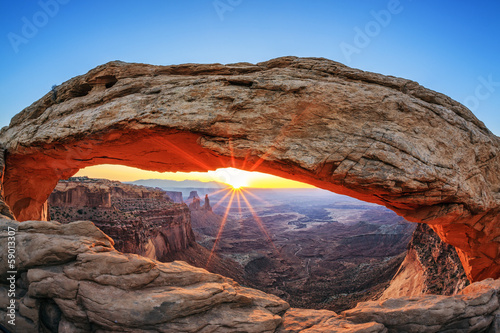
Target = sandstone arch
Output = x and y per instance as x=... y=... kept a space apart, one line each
x=377 y=138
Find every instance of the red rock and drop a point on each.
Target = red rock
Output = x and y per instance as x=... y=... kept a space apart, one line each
x=430 y=267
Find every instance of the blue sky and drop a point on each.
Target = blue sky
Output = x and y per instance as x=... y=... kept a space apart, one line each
x=449 y=46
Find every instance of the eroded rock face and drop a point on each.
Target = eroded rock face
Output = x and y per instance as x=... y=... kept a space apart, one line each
x=4 y=208
x=317 y=321
x=75 y=268
x=175 y=196
x=430 y=267
x=377 y=138
x=70 y=279
x=141 y=220
x=474 y=309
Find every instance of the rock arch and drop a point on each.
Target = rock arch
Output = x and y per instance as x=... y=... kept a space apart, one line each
x=378 y=138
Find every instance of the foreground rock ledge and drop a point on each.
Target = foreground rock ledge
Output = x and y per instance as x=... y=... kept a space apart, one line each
x=71 y=279
x=377 y=138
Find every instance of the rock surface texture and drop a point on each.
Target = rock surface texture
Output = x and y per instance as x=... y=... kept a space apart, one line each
x=430 y=267
x=377 y=138
x=140 y=220
x=4 y=208
x=474 y=309
x=71 y=280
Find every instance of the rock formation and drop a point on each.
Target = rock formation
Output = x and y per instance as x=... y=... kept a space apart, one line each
x=69 y=278
x=206 y=205
x=474 y=309
x=140 y=219
x=430 y=267
x=4 y=208
x=377 y=138
x=194 y=202
x=175 y=196
x=73 y=270
x=80 y=193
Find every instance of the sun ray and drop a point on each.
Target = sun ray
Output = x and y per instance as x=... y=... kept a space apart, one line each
x=262 y=158
x=218 y=203
x=280 y=137
x=238 y=192
x=240 y=216
x=254 y=196
x=218 y=191
x=183 y=153
x=221 y=228
x=259 y=222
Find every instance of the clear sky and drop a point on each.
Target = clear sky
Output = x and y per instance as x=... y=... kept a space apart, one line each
x=449 y=46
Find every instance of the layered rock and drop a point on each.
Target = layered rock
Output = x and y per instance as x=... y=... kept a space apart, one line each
x=78 y=194
x=71 y=279
x=175 y=196
x=377 y=138
x=317 y=321
x=430 y=267
x=474 y=309
x=194 y=202
x=141 y=220
x=4 y=208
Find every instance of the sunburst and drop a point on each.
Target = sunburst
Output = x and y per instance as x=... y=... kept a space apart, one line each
x=237 y=180
x=240 y=196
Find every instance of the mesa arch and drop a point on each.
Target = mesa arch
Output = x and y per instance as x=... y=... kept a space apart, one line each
x=377 y=138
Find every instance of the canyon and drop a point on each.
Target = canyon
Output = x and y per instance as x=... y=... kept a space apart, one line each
x=140 y=220
x=377 y=138
x=144 y=220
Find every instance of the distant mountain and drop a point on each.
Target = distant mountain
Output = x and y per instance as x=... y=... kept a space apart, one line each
x=168 y=184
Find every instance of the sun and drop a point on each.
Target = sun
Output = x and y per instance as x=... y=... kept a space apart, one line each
x=237 y=184
x=233 y=177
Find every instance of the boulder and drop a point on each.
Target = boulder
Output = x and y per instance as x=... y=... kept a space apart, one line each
x=471 y=310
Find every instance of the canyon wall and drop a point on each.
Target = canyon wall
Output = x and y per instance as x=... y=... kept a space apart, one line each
x=140 y=220
x=430 y=267
x=377 y=138
x=175 y=196
x=4 y=208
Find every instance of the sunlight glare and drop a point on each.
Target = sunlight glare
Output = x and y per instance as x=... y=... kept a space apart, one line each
x=233 y=177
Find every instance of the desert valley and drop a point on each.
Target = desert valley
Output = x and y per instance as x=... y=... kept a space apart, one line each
x=312 y=248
